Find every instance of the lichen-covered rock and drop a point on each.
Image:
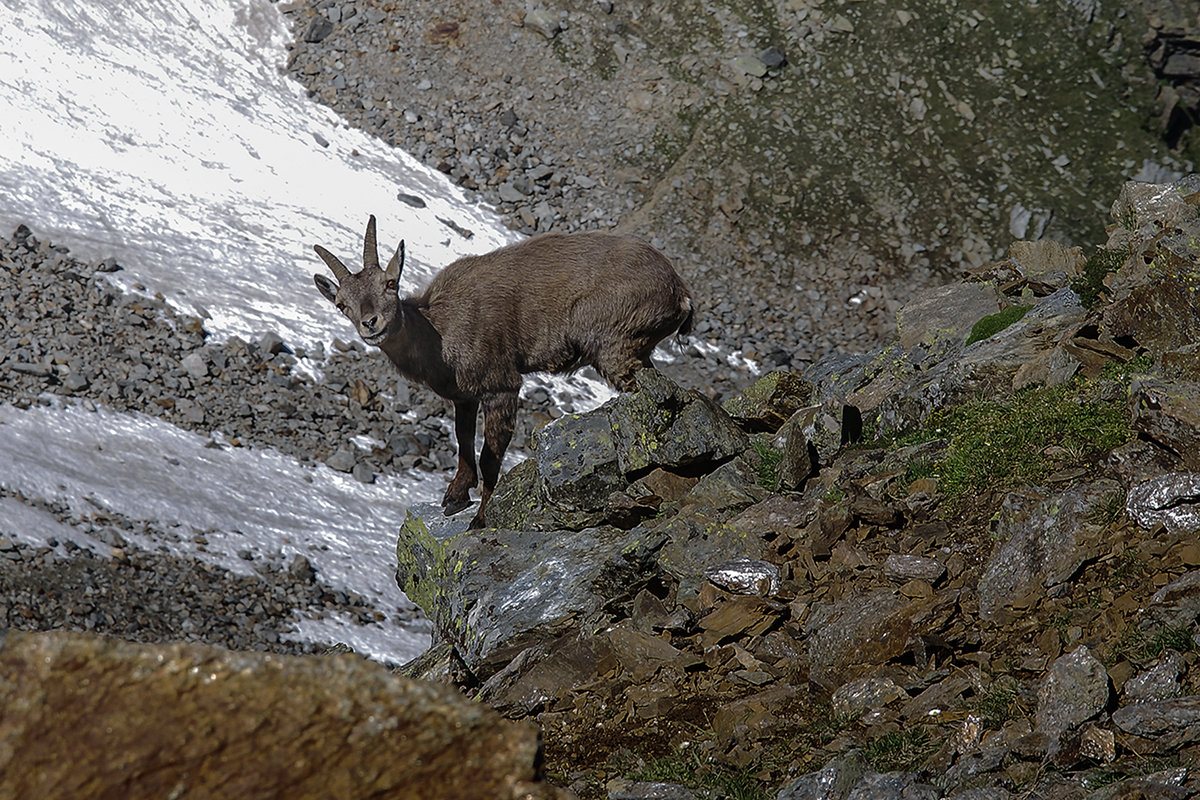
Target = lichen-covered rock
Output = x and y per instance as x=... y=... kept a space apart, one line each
x=88 y=716
x=1041 y=544
x=770 y=401
x=1168 y=412
x=585 y=465
x=494 y=593
x=662 y=425
x=939 y=321
x=1075 y=689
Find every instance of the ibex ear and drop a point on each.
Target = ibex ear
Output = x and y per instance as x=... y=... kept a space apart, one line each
x=326 y=287
x=396 y=265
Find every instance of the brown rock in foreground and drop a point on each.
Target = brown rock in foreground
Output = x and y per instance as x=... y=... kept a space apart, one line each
x=88 y=716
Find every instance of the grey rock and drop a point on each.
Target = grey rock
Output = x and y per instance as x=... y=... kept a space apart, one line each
x=1171 y=500
x=1076 y=688
x=1168 y=412
x=318 y=29
x=195 y=365
x=1177 y=605
x=745 y=576
x=343 y=460
x=1160 y=682
x=901 y=568
x=643 y=790
x=492 y=602
x=856 y=698
x=1038 y=543
x=1175 y=722
x=834 y=781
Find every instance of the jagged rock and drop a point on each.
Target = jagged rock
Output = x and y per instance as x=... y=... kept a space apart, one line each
x=1177 y=605
x=1045 y=264
x=1160 y=682
x=1039 y=547
x=1168 y=412
x=854 y=636
x=493 y=595
x=770 y=401
x=209 y=722
x=1171 y=500
x=1075 y=689
x=1172 y=723
x=855 y=698
x=992 y=366
x=662 y=425
x=939 y=321
x=1155 y=305
x=1165 y=785
x=585 y=465
x=834 y=781
x=799 y=460
x=1155 y=205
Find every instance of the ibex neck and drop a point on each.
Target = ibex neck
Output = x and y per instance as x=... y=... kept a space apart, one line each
x=415 y=349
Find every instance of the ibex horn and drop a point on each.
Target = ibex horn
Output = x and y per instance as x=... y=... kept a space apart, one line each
x=397 y=263
x=370 y=251
x=336 y=267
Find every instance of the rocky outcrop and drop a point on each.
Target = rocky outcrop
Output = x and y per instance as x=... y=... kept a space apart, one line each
x=86 y=716
x=977 y=579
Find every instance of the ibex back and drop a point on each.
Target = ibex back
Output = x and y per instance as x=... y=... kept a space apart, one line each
x=552 y=303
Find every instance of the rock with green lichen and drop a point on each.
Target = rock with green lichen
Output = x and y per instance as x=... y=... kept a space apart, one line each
x=491 y=594
x=663 y=425
x=770 y=401
x=584 y=465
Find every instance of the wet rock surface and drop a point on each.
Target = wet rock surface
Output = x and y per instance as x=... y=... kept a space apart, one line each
x=961 y=601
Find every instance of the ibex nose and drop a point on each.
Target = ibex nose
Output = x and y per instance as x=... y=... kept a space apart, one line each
x=371 y=322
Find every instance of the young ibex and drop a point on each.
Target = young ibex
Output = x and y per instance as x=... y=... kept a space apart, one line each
x=552 y=303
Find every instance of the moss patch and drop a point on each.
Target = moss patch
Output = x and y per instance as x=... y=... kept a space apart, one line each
x=1023 y=440
x=992 y=324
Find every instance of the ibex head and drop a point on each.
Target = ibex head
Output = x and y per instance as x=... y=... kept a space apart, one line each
x=369 y=298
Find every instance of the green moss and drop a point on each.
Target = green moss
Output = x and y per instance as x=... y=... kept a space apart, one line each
x=1089 y=285
x=1022 y=440
x=1140 y=646
x=904 y=750
x=766 y=466
x=992 y=324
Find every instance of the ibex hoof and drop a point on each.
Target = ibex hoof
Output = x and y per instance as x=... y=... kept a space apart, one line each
x=476 y=523
x=452 y=507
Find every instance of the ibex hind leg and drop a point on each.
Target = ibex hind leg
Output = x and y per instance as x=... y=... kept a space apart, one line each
x=458 y=493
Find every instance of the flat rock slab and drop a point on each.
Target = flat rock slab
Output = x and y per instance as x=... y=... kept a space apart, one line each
x=89 y=716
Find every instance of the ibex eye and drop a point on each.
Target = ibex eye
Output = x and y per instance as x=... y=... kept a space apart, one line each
x=392 y=285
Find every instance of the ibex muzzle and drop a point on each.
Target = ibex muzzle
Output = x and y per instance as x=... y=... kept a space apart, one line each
x=553 y=303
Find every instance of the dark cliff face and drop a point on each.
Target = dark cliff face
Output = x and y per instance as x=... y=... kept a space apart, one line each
x=959 y=558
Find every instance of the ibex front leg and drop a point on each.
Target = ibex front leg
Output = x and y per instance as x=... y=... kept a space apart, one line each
x=458 y=493
x=499 y=414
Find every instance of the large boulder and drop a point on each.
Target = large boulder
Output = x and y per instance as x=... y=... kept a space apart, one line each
x=87 y=716
x=494 y=593
x=585 y=465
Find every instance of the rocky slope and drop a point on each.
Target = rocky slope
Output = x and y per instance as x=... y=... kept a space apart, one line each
x=962 y=565
x=808 y=164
